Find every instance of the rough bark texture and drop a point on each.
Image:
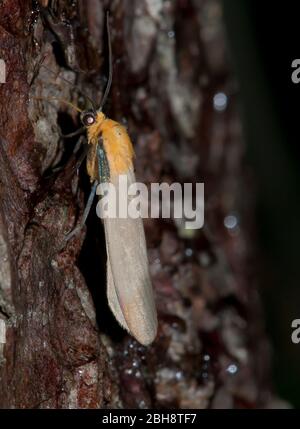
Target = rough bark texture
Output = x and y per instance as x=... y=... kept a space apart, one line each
x=63 y=349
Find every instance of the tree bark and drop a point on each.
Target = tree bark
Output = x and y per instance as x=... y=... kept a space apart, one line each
x=174 y=90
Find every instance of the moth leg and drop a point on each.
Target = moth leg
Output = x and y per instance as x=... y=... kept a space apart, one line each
x=70 y=135
x=81 y=141
x=86 y=212
x=82 y=156
x=89 y=202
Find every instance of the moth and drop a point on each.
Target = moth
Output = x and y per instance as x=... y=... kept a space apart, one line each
x=129 y=290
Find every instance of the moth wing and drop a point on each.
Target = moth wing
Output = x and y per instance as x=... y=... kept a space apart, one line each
x=130 y=294
x=113 y=298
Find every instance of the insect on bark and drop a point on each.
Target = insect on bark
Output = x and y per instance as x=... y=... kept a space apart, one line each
x=129 y=289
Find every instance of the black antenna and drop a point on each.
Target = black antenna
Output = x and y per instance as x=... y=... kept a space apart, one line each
x=110 y=71
x=72 y=84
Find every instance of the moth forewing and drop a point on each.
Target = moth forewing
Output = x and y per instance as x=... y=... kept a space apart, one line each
x=129 y=288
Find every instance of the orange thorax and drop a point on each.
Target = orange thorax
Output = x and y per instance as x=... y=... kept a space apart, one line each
x=116 y=143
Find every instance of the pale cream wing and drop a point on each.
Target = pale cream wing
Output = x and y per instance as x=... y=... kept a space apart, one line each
x=129 y=288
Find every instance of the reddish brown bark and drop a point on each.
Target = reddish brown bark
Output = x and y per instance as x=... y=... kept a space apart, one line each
x=170 y=60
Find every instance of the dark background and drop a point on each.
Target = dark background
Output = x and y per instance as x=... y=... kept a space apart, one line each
x=264 y=40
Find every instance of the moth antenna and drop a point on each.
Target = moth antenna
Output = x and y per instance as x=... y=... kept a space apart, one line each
x=59 y=99
x=110 y=65
x=72 y=84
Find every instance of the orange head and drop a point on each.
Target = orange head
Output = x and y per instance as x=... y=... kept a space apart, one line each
x=93 y=122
